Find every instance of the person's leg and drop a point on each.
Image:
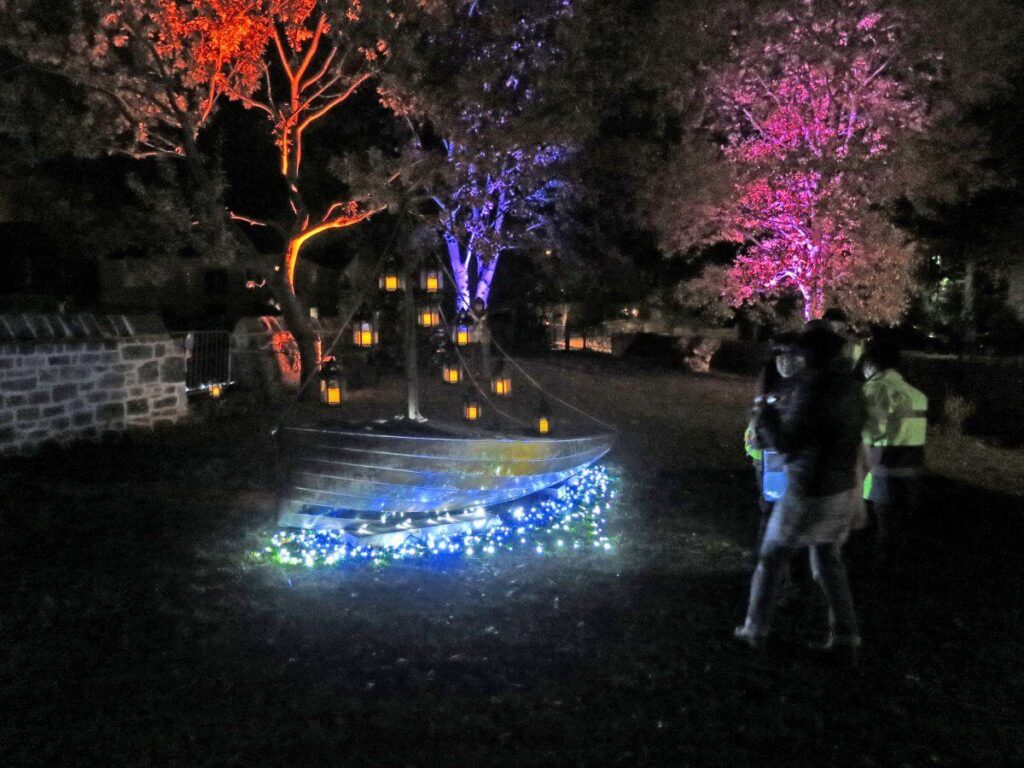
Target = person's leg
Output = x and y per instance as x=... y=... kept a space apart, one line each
x=764 y=589
x=883 y=527
x=830 y=573
x=766 y=513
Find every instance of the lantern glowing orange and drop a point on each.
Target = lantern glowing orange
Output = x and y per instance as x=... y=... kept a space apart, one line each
x=470 y=409
x=543 y=419
x=431 y=280
x=330 y=382
x=216 y=391
x=330 y=392
x=391 y=280
x=501 y=384
x=451 y=373
x=429 y=316
x=364 y=334
x=576 y=341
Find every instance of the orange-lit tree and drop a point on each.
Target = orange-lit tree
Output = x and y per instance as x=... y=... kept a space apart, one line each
x=154 y=73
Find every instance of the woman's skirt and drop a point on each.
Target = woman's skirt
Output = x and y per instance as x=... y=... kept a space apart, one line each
x=799 y=521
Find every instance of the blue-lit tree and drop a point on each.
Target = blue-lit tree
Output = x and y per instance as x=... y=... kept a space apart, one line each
x=487 y=143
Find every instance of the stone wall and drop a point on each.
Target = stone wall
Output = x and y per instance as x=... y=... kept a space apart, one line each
x=63 y=389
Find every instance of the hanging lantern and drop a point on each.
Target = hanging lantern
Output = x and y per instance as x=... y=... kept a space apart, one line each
x=216 y=390
x=330 y=383
x=391 y=279
x=451 y=373
x=577 y=341
x=429 y=316
x=501 y=383
x=364 y=334
x=431 y=280
x=542 y=421
x=462 y=333
x=471 y=409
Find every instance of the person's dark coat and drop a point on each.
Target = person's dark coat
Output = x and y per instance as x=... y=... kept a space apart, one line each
x=819 y=430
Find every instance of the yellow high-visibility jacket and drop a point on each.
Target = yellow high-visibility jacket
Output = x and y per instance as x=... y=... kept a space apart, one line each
x=895 y=432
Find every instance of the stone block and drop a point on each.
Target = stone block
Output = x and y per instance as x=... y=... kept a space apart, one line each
x=166 y=402
x=159 y=350
x=64 y=392
x=61 y=422
x=149 y=372
x=138 y=407
x=172 y=370
x=136 y=391
x=136 y=352
x=6 y=417
x=83 y=419
x=74 y=373
x=59 y=360
x=8 y=435
x=8 y=363
x=98 y=397
x=13 y=401
x=28 y=414
x=49 y=375
x=19 y=385
x=110 y=411
x=54 y=410
x=39 y=397
x=110 y=381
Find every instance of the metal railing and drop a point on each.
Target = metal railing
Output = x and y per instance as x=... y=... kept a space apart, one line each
x=207 y=360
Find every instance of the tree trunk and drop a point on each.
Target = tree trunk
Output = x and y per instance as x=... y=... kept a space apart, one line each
x=485 y=278
x=460 y=272
x=297 y=323
x=967 y=314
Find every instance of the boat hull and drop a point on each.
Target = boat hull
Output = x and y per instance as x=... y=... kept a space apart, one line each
x=337 y=478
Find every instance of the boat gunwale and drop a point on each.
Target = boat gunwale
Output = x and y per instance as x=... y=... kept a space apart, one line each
x=610 y=436
x=506 y=478
x=429 y=457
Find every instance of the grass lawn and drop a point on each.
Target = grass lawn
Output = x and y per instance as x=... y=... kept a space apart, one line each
x=135 y=628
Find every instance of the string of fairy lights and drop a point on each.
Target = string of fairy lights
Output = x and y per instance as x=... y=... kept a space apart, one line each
x=572 y=518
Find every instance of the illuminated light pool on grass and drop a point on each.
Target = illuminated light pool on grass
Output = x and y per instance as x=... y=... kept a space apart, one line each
x=569 y=518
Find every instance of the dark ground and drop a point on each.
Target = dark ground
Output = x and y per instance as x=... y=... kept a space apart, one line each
x=137 y=630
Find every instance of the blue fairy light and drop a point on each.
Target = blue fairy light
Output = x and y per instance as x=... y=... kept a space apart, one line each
x=571 y=517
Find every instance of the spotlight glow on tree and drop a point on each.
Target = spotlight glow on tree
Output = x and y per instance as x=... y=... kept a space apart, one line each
x=813 y=104
x=156 y=71
x=487 y=156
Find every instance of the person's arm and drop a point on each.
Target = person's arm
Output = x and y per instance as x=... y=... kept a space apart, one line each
x=795 y=426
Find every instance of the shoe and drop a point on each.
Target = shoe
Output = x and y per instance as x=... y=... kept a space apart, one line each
x=753 y=640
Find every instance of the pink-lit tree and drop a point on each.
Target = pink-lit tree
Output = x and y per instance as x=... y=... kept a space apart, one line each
x=814 y=104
